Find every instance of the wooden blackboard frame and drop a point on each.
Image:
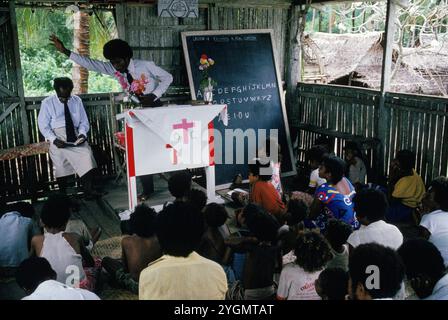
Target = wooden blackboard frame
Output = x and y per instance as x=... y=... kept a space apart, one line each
x=184 y=36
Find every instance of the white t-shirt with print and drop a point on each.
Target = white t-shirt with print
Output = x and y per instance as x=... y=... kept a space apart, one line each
x=379 y=232
x=315 y=180
x=297 y=284
x=437 y=223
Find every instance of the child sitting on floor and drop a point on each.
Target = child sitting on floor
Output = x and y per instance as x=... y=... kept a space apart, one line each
x=406 y=188
x=262 y=192
x=297 y=280
x=314 y=156
x=138 y=250
x=337 y=234
x=357 y=171
x=64 y=251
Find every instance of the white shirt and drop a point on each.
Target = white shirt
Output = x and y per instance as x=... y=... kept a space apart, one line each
x=297 y=284
x=52 y=116
x=436 y=223
x=53 y=290
x=315 y=180
x=440 y=291
x=159 y=79
x=357 y=172
x=379 y=232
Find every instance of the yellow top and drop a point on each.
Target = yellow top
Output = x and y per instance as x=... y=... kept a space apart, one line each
x=410 y=190
x=180 y=278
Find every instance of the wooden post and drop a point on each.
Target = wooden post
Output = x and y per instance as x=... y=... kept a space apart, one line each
x=120 y=10
x=19 y=79
x=294 y=70
x=383 y=113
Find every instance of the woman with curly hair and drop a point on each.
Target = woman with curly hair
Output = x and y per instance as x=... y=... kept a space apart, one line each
x=297 y=279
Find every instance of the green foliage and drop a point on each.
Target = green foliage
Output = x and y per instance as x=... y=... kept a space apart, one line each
x=41 y=63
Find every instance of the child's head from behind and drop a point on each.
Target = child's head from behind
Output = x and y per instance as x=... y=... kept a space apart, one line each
x=179 y=228
x=297 y=212
x=424 y=265
x=260 y=171
x=370 y=205
x=260 y=223
x=312 y=251
x=337 y=233
x=325 y=141
x=332 y=284
x=215 y=215
x=332 y=169
x=375 y=272
x=32 y=272
x=143 y=221
x=56 y=212
x=315 y=155
x=179 y=184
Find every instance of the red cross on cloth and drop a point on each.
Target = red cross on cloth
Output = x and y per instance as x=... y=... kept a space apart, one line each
x=184 y=126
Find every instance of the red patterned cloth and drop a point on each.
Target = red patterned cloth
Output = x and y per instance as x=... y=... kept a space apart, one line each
x=24 y=151
x=92 y=275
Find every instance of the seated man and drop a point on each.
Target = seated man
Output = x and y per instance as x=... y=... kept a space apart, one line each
x=181 y=273
x=138 y=250
x=63 y=121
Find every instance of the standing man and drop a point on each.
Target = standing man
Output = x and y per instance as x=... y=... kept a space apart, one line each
x=132 y=74
x=63 y=121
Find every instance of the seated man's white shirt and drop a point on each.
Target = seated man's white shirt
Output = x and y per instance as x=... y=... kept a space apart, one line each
x=436 y=223
x=53 y=290
x=159 y=79
x=52 y=116
x=379 y=232
x=51 y=121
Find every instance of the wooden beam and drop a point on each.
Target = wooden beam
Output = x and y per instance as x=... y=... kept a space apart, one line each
x=3 y=20
x=383 y=112
x=6 y=91
x=120 y=11
x=19 y=78
x=8 y=111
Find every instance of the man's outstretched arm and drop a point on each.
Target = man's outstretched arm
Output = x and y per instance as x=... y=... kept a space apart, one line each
x=86 y=62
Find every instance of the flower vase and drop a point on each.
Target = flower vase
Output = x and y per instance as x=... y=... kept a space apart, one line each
x=208 y=94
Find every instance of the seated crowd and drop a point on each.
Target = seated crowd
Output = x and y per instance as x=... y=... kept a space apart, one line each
x=323 y=242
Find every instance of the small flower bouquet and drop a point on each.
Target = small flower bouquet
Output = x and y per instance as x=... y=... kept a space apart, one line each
x=205 y=63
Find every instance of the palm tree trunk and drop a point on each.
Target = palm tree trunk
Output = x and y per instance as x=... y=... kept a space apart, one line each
x=81 y=44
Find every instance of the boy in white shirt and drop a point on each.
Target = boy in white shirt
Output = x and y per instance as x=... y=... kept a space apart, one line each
x=434 y=225
x=370 y=208
x=315 y=156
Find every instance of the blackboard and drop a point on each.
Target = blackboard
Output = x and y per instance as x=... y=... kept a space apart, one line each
x=247 y=80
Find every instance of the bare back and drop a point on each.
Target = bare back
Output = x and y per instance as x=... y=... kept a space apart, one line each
x=138 y=252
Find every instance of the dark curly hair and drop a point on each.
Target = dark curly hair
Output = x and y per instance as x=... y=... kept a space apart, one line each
x=440 y=187
x=334 y=283
x=312 y=251
x=56 y=211
x=337 y=233
x=117 y=48
x=215 y=215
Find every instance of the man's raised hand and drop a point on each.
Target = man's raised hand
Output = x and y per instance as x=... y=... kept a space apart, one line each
x=59 y=45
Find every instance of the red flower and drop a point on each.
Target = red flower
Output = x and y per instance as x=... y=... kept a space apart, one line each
x=204 y=56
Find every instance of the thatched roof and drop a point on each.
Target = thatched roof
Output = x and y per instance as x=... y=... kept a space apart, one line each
x=356 y=59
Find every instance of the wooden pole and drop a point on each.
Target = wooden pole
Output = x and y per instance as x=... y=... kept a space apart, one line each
x=294 y=69
x=19 y=78
x=383 y=113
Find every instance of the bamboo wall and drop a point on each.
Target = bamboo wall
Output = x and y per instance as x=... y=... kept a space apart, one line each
x=415 y=122
x=159 y=39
